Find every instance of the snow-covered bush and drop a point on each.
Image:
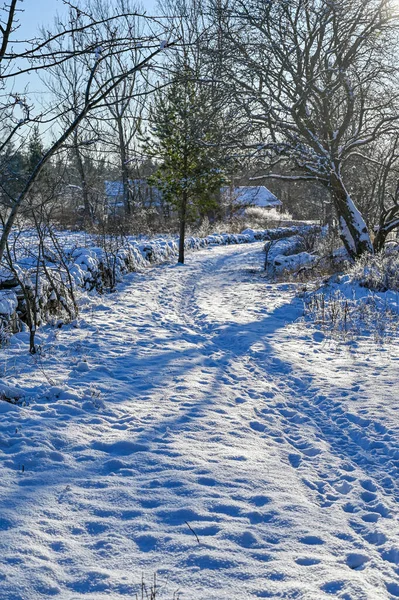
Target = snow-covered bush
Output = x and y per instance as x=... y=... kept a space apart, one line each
x=293 y=262
x=257 y=217
x=9 y=322
x=363 y=301
x=379 y=272
x=345 y=314
x=254 y=217
x=291 y=254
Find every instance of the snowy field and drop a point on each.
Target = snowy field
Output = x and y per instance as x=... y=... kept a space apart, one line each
x=193 y=404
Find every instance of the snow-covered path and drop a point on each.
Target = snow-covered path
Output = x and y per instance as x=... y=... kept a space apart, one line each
x=192 y=404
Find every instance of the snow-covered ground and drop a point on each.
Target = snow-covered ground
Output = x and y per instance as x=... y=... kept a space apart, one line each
x=193 y=402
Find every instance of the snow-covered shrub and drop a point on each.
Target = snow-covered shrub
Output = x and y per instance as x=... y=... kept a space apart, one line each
x=284 y=232
x=379 y=272
x=333 y=256
x=9 y=322
x=327 y=255
x=35 y=286
x=293 y=262
x=291 y=254
x=277 y=248
x=257 y=217
x=363 y=301
x=343 y=313
x=10 y=393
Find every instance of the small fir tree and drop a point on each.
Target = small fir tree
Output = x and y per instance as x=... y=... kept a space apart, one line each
x=35 y=150
x=183 y=140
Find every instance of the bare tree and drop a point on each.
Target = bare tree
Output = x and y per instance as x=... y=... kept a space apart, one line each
x=66 y=82
x=118 y=124
x=317 y=81
x=83 y=39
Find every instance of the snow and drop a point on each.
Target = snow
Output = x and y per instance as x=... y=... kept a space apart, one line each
x=347 y=234
x=293 y=262
x=359 y=222
x=256 y=195
x=8 y=302
x=195 y=400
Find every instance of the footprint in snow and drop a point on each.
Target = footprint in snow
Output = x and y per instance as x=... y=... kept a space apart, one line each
x=207 y=561
x=311 y=540
x=146 y=543
x=260 y=500
x=227 y=509
x=256 y=517
x=247 y=540
x=295 y=460
x=332 y=587
x=368 y=485
x=120 y=448
x=393 y=589
x=209 y=481
x=371 y=517
x=376 y=538
x=391 y=555
x=343 y=487
x=240 y=400
x=368 y=497
x=96 y=527
x=307 y=561
x=356 y=561
x=207 y=531
x=318 y=337
x=311 y=451
x=256 y=426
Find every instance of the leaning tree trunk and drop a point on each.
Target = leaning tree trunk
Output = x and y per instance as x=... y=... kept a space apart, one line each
x=353 y=229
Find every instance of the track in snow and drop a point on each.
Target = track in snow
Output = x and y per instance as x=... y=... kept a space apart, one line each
x=192 y=401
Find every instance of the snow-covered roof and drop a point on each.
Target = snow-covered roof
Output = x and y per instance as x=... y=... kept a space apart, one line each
x=139 y=188
x=255 y=195
x=113 y=189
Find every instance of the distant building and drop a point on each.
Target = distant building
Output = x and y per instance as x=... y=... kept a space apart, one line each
x=141 y=195
x=237 y=199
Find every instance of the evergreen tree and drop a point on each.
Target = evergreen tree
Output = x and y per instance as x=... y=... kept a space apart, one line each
x=12 y=171
x=35 y=150
x=184 y=131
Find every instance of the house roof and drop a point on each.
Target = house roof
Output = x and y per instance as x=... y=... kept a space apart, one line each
x=254 y=195
x=138 y=187
x=113 y=189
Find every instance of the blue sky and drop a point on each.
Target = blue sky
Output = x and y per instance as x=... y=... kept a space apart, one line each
x=37 y=13
x=42 y=12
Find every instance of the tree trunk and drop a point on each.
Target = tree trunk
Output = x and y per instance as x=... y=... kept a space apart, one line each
x=124 y=168
x=353 y=229
x=380 y=239
x=183 y=212
x=82 y=177
x=32 y=345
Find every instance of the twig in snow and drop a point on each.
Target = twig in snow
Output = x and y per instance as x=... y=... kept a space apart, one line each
x=192 y=531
